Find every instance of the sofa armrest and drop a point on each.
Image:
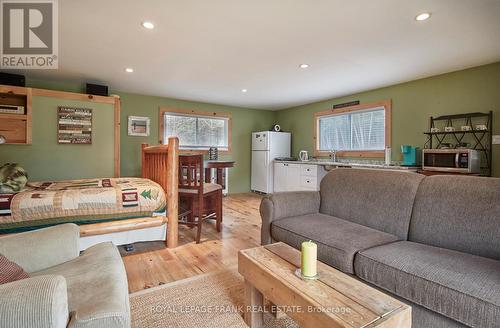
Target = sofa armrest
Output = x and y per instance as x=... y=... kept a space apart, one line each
x=37 y=302
x=286 y=204
x=41 y=249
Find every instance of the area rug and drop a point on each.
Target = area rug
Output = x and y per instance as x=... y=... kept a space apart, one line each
x=209 y=300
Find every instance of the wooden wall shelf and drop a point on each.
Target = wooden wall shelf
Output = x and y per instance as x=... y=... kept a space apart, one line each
x=16 y=128
x=22 y=117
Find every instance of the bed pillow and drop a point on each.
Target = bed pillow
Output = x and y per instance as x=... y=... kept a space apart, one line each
x=13 y=178
x=10 y=271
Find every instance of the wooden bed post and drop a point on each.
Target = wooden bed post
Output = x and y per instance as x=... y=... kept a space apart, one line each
x=161 y=164
x=172 y=192
x=143 y=160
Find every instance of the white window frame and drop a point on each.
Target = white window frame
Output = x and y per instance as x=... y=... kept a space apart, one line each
x=385 y=105
x=185 y=113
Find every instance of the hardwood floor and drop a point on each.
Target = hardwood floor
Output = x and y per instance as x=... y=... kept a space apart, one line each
x=151 y=264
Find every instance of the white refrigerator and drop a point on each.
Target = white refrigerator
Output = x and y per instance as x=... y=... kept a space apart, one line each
x=266 y=146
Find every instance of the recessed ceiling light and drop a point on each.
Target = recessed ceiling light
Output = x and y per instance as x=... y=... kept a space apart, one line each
x=244 y=90
x=148 y=25
x=423 y=16
x=129 y=70
x=304 y=65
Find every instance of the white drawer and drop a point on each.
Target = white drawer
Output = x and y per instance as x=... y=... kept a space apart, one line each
x=308 y=183
x=308 y=170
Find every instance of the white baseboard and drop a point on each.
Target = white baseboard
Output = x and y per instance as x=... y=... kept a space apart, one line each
x=126 y=237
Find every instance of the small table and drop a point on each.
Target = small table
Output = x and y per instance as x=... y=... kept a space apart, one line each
x=219 y=165
x=334 y=300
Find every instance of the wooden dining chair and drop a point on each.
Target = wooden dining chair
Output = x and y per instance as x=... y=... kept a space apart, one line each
x=198 y=200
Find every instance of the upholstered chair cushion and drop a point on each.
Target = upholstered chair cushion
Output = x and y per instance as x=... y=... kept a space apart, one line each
x=207 y=187
x=97 y=288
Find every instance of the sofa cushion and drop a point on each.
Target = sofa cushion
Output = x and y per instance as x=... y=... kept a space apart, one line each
x=378 y=199
x=97 y=288
x=459 y=213
x=338 y=240
x=460 y=286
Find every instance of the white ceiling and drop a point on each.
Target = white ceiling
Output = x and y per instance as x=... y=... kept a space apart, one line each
x=209 y=50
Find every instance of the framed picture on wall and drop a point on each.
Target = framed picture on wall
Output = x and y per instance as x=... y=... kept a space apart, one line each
x=138 y=126
x=74 y=125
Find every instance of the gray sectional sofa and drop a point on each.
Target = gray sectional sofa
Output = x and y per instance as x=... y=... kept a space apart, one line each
x=433 y=242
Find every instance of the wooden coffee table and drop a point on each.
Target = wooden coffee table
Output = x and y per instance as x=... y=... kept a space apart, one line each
x=334 y=300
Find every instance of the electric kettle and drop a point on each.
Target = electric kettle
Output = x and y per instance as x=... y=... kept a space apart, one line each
x=303 y=155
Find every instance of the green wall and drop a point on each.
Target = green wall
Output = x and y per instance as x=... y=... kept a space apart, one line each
x=45 y=159
x=245 y=121
x=471 y=90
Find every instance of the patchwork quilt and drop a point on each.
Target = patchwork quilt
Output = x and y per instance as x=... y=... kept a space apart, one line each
x=86 y=201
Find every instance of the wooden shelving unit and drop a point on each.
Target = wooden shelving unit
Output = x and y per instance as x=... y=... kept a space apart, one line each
x=16 y=128
x=480 y=140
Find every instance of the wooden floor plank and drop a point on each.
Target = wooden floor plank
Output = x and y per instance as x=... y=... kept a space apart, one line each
x=151 y=264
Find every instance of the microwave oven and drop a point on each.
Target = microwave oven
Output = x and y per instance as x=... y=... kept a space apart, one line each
x=451 y=160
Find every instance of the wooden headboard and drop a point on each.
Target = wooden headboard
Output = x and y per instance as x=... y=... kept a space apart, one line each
x=161 y=164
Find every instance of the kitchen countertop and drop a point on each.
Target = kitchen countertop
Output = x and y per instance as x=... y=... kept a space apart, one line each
x=326 y=162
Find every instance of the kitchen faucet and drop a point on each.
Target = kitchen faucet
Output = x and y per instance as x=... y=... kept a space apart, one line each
x=333 y=155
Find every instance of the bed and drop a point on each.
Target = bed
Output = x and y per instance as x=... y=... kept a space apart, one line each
x=121 y=210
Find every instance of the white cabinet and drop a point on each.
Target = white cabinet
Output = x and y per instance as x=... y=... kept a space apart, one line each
x=308 y=170
x=308 y=183
x=286 y=177
x=280 y=171
x=297 y=177
x=293 y=177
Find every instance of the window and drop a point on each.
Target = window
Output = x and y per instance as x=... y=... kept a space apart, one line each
x=197 y=131
x=361 y=130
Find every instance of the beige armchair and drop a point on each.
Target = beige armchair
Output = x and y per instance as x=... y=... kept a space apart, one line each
x=65 y=288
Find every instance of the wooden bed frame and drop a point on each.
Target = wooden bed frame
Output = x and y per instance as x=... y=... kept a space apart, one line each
x=160 y=164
